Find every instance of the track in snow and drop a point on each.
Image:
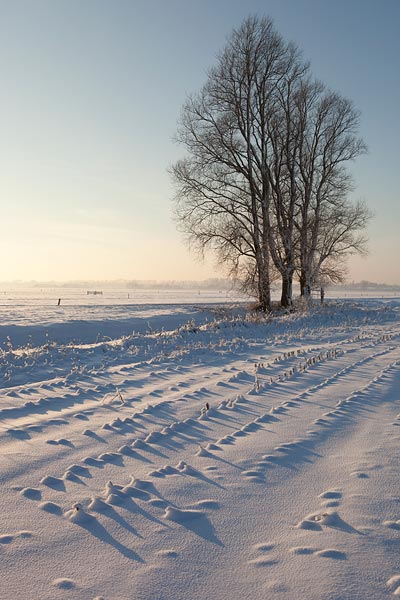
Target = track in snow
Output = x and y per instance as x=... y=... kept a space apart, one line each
x=112 y=463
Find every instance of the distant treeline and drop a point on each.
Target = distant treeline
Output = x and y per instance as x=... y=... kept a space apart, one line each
x=366 y=285
x=211 y=284
x=206 y=284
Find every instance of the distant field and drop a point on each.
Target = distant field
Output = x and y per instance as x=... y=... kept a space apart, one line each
x=32 y=315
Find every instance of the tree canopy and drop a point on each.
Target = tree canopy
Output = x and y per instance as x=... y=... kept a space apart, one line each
x=265 y=182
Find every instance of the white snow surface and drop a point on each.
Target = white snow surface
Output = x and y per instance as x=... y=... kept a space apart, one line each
x=117 y=483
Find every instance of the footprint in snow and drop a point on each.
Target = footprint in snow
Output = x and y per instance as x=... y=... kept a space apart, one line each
x=392 y=524
x=167 y=554
x=254 y=476
x=93 y=462
x=263 y=562
x=239 y=433
x=202 y=452
x=276 y=586
x=228 y=439
x=34 y=428
x=303 y=550
x=331 y=504
x=111 y=457
x=70 y=476
x=326 y=553
x=60 y=442
x=331 y=553
x=330 y=494
x=208 y=504
x=19 y=434
x=158 y=503
x=211 y=446
x=359 y=475
x=181 y=515
x=53 y=482
x=263 y=547
x=394 y=584
x=58 y=421
x=64 y=583
x=79 y=470
x=8 y=538
x=51 y=508
x=309 y=524
x=156 y=473
x=31 y=493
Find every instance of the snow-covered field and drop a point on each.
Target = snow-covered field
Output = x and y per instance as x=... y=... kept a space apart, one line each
x=117 y=483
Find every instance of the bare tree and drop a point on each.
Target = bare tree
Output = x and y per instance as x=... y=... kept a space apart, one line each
x=284 y=131
x=342 y=233
x=265 y=183
x=224 y=186
x=328 y=142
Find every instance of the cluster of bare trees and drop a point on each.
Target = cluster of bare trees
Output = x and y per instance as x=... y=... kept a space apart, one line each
x=265 y=181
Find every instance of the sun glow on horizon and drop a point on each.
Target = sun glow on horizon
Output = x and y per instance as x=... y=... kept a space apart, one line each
x=90 y=110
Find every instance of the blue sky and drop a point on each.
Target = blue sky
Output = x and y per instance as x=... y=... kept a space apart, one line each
x=91 y=94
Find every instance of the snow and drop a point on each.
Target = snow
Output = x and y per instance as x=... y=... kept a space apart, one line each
x=117 y=483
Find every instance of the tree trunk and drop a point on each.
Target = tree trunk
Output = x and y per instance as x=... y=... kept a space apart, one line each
x=302 y=281
x=307 y=289
x=264 y=294
x=287 y=290
x=265 y=278
x=305 y=284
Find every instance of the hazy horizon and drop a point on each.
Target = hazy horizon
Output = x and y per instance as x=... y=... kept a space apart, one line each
x=220 y=281
x=93 y=92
